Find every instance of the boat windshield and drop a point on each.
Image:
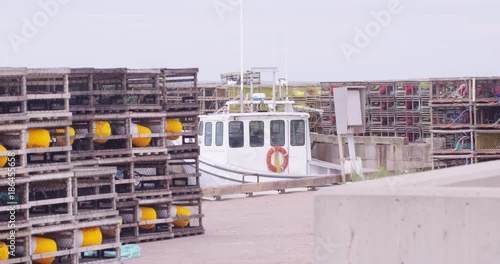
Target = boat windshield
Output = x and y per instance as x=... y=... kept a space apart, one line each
x=256 y=129
x=297 y=133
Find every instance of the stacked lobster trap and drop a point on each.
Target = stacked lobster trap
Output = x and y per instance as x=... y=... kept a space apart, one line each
x=412 y=110
x=452 y=129
x=381 y=108
x=138 y=121
x=487 y=117
x=465 y=120
x=180 y=101
x=97 y=235
x=89 y=159
x=393 y=108
x=35 y=174
x=37 y=200
x=326 y=104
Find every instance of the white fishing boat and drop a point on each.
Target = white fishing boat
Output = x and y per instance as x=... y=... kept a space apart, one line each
x=266 y=141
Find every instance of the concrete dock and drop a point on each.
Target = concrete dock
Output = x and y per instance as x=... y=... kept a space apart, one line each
x=434 y=217
x=261 y=229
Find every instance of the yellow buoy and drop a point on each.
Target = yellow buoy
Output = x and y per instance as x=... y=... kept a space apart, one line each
x=3 y=159
x=181 y=212
x=136 y=130
x=40 y=245
x=38 y=138
x=61 y=140
x=147 y=213
x=4 y=251
x=102 y=129
x=89 y=237
x=175 y=126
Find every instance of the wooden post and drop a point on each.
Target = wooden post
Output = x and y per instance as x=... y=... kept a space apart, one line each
x=432 y=122
x=472 y=93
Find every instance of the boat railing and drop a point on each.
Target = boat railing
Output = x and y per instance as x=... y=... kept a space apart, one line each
x=225 y=108
x=248 y=175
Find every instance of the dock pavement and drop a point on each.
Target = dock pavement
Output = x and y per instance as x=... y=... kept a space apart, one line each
x=276 y=228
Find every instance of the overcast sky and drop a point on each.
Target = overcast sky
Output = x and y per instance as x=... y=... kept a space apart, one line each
x=425 y=38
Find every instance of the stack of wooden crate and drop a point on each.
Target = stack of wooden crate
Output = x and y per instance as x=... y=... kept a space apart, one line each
x=119 y=122
x=13 y=126
x=452 y=127
x=381 y=108
x=180 y=102
x=121 y=117
x=95 y=209
x=409 y=118
x=326 y=103
x=393 y=108
x=37 y=200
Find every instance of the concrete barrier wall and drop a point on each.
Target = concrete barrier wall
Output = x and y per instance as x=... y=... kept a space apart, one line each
x=378 y=153
x=443 y=216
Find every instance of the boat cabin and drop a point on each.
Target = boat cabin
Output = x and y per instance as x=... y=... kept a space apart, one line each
x=257 y=142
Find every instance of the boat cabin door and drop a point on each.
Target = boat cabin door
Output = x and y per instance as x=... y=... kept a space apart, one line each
x=288 y=137
x=298 y=148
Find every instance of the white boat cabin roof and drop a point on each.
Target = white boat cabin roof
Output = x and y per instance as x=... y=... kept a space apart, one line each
x=260 y=109
x=256 y=115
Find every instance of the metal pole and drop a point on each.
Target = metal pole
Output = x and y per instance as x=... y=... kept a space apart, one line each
x=281 y=90
x=341 y=157
x=274 y=90
x=286 y=69
x=352 y=152
x=352 y=149
x=241 y=57
x=251 y=90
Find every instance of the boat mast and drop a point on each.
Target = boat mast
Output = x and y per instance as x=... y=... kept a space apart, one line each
x=251 y=90
x=241 y=57
x=286 y=67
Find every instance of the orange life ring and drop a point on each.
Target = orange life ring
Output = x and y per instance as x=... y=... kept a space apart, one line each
x=270 y=165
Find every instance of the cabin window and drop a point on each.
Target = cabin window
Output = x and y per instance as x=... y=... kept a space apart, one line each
x=208 y=134
x=200 y=128
x=219 y=133
x=236 y=134
x=297 y=133
x=277 y=133
x=256 y=130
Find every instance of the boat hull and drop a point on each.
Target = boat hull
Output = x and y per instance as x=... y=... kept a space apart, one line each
x=213 y=175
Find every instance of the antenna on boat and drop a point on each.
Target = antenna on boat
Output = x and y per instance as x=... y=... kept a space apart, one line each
x=286 y=66
x=251 y=90
x=242 y=80
x=274 y=90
